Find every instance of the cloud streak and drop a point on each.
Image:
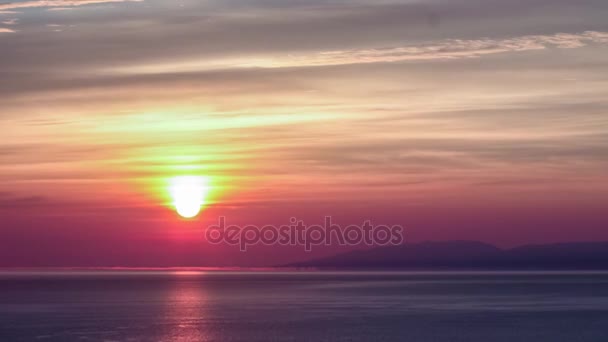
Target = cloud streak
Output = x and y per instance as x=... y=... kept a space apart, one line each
x=57 y=3
x=10 y=22
x=441 y=50
x=6 y=30
x=448 y=49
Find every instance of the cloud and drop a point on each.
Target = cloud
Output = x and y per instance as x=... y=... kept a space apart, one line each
x=238 y=29
x=447 y=49
x=57 y=3
x=440 y=50
x=10 y=21
x=6 y=30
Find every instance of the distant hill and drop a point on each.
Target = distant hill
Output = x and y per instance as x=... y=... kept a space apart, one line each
x=470 y=255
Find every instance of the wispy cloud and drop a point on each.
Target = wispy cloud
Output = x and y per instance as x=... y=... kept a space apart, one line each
x=449 y=49
x=6 y=30
x=439 y=50
x=10 y=22
x=57 y=3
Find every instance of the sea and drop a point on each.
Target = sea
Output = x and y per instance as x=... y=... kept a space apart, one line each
x=285 y=305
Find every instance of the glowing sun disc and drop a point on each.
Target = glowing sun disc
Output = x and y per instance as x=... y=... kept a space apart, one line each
x=187 y=210
x=188 y=193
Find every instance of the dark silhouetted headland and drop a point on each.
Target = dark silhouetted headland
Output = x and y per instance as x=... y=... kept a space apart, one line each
x=471 y=255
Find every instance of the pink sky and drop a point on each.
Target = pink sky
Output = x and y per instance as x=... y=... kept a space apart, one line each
x=456 y=120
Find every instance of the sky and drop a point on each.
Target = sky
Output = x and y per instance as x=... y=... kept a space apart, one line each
x=461 y=119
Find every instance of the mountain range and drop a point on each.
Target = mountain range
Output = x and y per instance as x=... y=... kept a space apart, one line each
x=470 y=255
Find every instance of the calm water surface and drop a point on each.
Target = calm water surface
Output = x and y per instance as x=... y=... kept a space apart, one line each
x=303 y=306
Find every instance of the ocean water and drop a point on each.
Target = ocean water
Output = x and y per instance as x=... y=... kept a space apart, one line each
x=303 y=306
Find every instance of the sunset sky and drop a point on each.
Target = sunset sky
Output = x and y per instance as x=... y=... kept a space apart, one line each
x=458 y=119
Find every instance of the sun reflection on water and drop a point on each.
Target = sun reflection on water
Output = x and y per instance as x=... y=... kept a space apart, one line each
x=185 y=311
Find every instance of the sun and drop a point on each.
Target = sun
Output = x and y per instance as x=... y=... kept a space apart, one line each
x=188 y=194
